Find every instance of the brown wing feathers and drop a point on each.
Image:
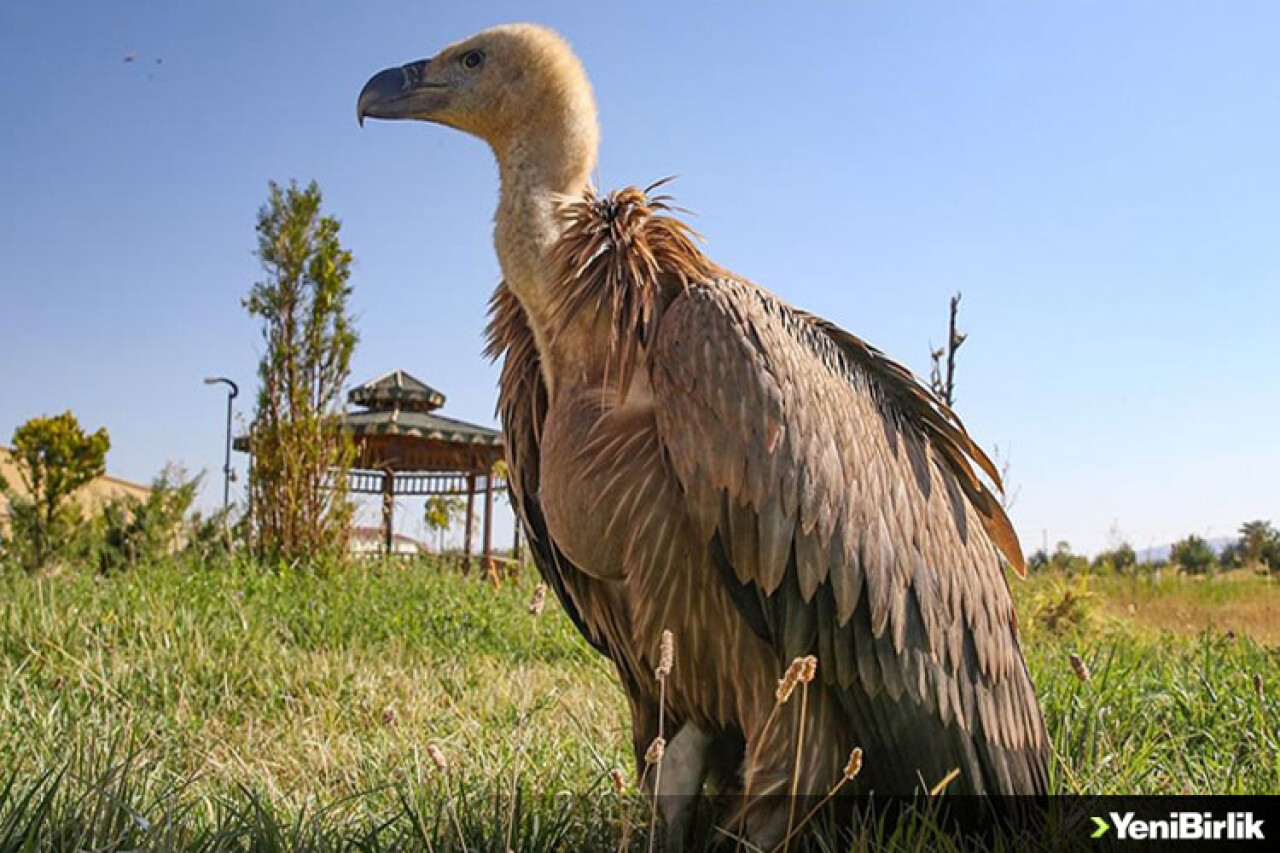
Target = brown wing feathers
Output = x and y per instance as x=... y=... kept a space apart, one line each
x=624 y=260
x=923 y=410
x=622 y=257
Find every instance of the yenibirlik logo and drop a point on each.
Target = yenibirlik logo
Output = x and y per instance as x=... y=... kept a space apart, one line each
x=1182 y=826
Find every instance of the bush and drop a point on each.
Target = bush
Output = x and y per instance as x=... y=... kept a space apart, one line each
x=132 y=531
x=1271 y=555
x=1063 y=606
x=1194 y=555
x=1066 y=561
x=37 y=539
x=1119 y=559
x=1232 y=556
x=213 y=537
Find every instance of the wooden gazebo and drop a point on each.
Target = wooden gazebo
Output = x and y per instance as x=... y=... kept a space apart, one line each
x=404 y=447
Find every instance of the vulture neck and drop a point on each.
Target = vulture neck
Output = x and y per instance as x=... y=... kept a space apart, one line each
x=540 y=171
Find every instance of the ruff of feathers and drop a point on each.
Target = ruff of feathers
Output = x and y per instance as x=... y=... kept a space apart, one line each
x=623 y=257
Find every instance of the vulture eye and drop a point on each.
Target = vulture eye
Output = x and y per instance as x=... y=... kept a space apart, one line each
x=472 y=59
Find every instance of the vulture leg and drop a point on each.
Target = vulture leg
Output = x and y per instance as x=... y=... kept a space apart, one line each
x=684 y=770
x=771 y=770
x=686 y=763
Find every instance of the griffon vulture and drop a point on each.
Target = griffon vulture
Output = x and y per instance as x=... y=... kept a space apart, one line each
x=690 y=453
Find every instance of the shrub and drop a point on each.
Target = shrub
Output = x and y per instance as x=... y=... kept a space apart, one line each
x=1063 y=605
x=1232 y=556
x=54 y=457
x=1064 y=560
x=1119 y=559
x=133 y=531
x=1194 y=555
x=1271 y=555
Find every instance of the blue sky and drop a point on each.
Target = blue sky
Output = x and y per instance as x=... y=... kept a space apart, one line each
x=1101 y=180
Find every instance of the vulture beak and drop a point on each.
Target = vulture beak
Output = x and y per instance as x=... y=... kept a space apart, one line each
x=398 y=93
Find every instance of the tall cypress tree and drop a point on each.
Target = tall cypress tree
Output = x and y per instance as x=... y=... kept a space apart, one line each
x=297 y=486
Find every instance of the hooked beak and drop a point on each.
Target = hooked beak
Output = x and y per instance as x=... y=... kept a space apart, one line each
x=399 y=93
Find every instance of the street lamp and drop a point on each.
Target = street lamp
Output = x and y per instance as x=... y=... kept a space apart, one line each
x=232 y=391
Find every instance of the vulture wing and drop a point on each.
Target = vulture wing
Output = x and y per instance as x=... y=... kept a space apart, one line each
x=838 y=499
x=522 y=407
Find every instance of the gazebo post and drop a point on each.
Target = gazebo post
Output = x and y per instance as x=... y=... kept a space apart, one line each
x=471 y=503
x=488 y=520
x=388 y=508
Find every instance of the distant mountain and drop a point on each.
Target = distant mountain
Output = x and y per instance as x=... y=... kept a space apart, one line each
x=1160 y=553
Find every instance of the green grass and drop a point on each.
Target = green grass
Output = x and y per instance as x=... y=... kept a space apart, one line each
x=181 y=707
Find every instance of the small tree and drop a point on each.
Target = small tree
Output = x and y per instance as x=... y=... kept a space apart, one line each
x=1271 y=555
x=1258 y=541
x=440 y=514
x=1232 y=556
x=54 y=457
x=298 y=481
x=1121 y=558
x=1067 y=561
x=942 y=381
x=942 y=376
x=1194 y=555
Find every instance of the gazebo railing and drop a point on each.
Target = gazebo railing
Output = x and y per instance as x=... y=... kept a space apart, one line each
x=419 y=484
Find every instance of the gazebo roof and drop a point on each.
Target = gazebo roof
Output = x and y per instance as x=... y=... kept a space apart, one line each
x=399 y=429
x=396 y=390
x=420 y=425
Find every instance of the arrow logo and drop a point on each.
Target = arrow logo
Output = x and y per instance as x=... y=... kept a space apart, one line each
x=1102 y=827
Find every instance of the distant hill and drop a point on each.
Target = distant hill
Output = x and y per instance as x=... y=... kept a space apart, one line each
x=1160 y=553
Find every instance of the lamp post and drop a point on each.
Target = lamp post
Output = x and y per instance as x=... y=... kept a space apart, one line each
x=232 y=391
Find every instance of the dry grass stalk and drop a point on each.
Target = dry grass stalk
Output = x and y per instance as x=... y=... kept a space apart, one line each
x=437 y=757
x=1080 y=667
x=1257 y=684
x=800 y=671
x=511 y=806
x=944 y=782
x=854 y=766
x=666 y=655
x=624 y=837
x=539 y=600
x=808 y=668
x=786 y=686
x=442 y=764
x=851 y=769
x=457 y=826
x=619 y=780
x=653 y=756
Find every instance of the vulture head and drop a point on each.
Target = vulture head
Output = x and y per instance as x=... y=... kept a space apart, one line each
x=512 y=85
